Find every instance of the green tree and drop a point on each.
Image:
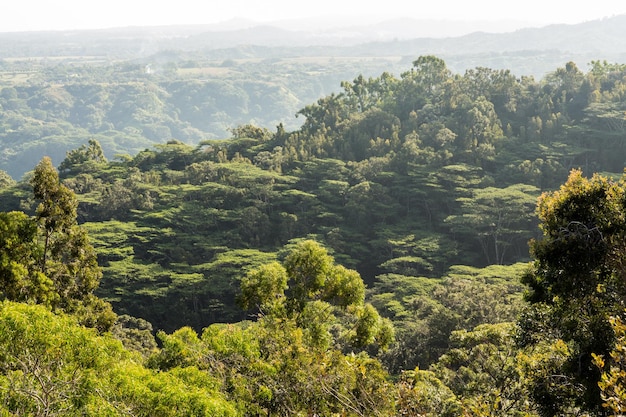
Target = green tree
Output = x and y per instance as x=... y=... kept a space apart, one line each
x=310 y=289
x=426 y=311
x=135 y=334
x=87 y=158
x=48 y=364
x=5 y=180
x=265 y=368
x=421 y=393
x=423 y=84
x=478 y=128
x=20 y=276
x=484 y=369
x=499 y=218
x=576 y=284
x=363 y=94
x=66 y=256
x=264 y=288
x=51 y=366
x=565 y=84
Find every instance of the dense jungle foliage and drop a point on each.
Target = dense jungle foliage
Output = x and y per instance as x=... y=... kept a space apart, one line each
x=374 y=261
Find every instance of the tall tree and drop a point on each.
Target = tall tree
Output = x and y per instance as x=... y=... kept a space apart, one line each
x=66 y=256
x=423 y=84
x=577 y=283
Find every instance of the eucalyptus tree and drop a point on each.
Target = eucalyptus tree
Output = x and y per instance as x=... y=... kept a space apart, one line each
x=47 y=258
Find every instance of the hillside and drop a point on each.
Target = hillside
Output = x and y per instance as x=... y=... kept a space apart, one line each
x=382 y=244
x=406 y=176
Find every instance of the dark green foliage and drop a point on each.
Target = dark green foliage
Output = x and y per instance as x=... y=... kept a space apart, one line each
x=405 y=175
x=423 y=186
x=400 y=178
x=21 y=279
x=135 y=334
x=426 y=311
x=84 y=159
x=576 y=283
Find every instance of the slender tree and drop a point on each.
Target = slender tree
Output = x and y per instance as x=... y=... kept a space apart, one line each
x=66 y=256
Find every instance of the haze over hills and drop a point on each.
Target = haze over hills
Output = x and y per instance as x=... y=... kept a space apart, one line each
x=388 y=29
x=459 y=42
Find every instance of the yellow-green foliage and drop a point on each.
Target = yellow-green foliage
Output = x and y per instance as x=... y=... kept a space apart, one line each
x=613 y=380
x=49 y=365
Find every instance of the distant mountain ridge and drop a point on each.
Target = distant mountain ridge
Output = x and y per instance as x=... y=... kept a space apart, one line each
x=604 y=38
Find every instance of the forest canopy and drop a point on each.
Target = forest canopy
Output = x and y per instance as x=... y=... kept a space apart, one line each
x=383 y=246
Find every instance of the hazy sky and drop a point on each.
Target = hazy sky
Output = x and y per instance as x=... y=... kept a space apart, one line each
x=22 y=15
